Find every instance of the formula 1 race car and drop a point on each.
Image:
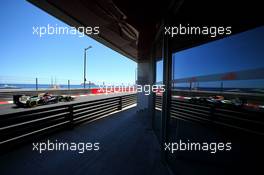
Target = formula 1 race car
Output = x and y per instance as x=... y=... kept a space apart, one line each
x=219 y=101
x=40 y=99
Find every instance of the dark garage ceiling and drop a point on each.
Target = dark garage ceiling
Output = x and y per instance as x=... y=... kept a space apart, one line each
x=129 y=26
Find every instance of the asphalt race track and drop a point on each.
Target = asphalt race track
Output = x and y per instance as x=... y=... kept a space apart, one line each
x=11 y=108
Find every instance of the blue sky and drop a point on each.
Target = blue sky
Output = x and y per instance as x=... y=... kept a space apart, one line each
x=25 y=56
x=239 y=52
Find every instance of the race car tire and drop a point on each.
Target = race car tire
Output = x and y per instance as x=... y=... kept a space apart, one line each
x=32 y=103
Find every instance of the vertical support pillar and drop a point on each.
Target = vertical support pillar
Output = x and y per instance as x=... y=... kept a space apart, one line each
x=36 y=84
x=70 y=117
x=145 y=74
x=145 y=70
x=120 y=103
x=166 y=98
x=153 y=95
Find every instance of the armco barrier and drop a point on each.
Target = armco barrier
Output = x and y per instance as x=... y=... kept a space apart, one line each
x=8 y=93
x=223 y=116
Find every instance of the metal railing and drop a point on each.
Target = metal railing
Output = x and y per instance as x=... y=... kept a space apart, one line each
x=251 y=121
x=17 y=127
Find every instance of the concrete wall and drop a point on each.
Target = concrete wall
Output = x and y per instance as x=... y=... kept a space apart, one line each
x=145 y=76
